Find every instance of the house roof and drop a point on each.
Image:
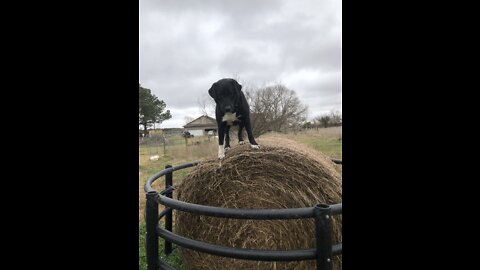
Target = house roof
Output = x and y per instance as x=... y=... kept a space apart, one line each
x=202 y=121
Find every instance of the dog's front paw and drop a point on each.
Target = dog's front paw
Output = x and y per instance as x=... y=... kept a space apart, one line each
x=255 y=146
x=241 y=142
x=227 y=148
x=221 y=152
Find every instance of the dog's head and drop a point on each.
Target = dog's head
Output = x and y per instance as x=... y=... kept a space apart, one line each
x=227 y=95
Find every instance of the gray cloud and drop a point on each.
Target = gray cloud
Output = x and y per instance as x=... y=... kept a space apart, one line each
x=185 y=46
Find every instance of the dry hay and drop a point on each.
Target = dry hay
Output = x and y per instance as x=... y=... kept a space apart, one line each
x=282 y=174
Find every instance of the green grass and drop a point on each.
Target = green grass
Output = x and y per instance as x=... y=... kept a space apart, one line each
x=327 y=141
x=174 y=259
x=331 y=147
x=176 y=154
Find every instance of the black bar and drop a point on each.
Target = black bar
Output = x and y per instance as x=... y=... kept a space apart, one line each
x=337 y=249
x=292 y=213
x=185 y=165
x=323 y=234
x=239 y=253
x=337 y=161
x=148 y=185
x=167 y=190
x=164 y=266
x=164 y=212
x=168 y=216
x=152 y=237
x=336 y=209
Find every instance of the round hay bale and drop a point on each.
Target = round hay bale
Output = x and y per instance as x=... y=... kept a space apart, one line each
x=282 y=174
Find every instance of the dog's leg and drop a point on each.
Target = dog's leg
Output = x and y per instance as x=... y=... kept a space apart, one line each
x=221 y=134
x=227 y=137
x=240 y=134
x=248 y=127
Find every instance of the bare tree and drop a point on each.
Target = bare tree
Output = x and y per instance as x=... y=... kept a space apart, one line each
x=275 y=108
x=315 y=123
x=206 y=105
x=335 y=118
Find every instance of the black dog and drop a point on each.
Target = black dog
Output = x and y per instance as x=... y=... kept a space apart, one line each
x=232 y=109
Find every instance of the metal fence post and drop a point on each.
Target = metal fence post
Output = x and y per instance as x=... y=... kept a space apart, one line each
x=152 y=237
x=323 y=234
x=168 y=217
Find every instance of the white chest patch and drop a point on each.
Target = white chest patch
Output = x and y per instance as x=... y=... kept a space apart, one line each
x=229 y=118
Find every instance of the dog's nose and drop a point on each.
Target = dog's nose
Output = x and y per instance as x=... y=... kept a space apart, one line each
x=228 y=108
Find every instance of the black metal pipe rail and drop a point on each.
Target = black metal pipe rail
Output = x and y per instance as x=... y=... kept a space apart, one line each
x=238 y=253
x=337 y=161
x=292 y=213
x=168 y=215
x=246 y=254
x=148 y=184
x=321 y=213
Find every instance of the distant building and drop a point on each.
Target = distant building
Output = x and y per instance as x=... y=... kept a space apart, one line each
x=202 y=126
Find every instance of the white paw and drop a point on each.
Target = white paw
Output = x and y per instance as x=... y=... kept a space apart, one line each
x=221 y=152
x=227 y=148
x=241 y=142
x=253 y=146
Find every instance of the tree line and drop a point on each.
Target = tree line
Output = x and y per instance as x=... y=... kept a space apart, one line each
x=272 y=108
x=151 y=110
x=331 y=119
x=278 y=108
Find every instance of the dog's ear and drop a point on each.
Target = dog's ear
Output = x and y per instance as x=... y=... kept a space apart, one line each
x=238 y=87
x=238 y=92
x=212 y=91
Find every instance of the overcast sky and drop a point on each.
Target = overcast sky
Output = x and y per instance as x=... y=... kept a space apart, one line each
x=187 y=45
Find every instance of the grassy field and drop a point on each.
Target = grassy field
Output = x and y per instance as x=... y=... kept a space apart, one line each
x=173 y=259
x=328 y=141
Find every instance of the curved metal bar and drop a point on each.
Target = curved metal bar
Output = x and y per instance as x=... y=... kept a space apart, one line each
x=292 y=213
x=164 y=266
x=337 y=249
x=164 y=212
x=336 y=209
x=185 y=165
x=337 y=161
x=239 y=253
x=169 y=189
x=148 y=185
